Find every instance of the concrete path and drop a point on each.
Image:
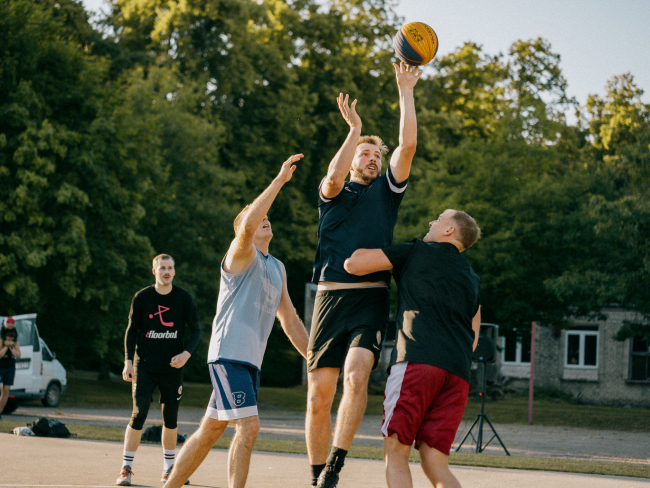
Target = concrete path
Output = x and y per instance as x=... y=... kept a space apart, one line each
x=521 y=440
x=45 y=462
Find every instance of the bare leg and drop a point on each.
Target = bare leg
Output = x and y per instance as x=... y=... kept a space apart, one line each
x=194 y=451
x=132 y=439
x=435 y=466
x=169 y=437
x=358 y=366
x=318 y=423
x=241 y=448
x=396 y=457
x=4 y=396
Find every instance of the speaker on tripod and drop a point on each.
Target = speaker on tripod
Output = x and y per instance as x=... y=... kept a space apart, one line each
x=485 y=353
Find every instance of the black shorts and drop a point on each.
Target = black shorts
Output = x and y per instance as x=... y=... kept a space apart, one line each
x=170 y=385
x=356 y=317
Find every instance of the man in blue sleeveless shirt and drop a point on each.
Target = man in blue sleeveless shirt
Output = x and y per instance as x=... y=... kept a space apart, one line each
x=351 y=312
x=253 y=290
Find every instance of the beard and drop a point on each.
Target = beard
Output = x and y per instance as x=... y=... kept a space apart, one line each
x=366 y=179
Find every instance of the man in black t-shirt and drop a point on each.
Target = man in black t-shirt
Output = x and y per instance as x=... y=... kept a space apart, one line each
x=154 y=356
x=351 y=312
x=438 y=320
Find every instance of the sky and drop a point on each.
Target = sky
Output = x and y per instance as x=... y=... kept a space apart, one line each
x=596 y=39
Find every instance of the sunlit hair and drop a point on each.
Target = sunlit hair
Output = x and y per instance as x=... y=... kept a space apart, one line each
x=239 y=218
x=468 y=229
x=160 y=257
x=376 y=140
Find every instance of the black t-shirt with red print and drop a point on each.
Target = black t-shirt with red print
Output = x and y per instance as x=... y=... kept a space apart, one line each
x=157 y=326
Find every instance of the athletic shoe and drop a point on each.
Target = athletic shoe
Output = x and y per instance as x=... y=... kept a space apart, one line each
x=167 y=473
x=328 y=478
x=124 y=479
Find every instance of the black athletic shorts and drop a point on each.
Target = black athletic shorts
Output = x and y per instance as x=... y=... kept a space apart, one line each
x=170 y=385
x=342 y=319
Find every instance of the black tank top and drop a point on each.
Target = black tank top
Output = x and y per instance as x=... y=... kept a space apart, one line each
x=8 y=361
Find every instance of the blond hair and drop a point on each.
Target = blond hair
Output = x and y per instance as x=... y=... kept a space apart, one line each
x=160 y=257
x=468 y=230
x=376 y=140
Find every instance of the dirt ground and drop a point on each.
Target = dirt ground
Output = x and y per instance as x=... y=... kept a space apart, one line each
x=520 y=440
x=46 y=462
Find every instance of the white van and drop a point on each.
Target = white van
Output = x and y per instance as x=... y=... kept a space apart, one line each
x=38 y=373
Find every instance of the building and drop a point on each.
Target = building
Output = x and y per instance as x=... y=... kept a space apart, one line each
x=585 y=361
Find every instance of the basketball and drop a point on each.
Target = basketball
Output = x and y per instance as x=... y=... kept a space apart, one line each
x=415 y=44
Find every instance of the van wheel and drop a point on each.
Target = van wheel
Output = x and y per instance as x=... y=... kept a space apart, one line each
x=52 y=395
x=12 y=404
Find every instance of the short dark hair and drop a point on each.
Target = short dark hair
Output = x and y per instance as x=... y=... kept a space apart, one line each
x=160 y=257
x=6 y=331
x=468 y=230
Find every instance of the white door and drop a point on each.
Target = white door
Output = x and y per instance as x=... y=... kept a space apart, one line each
x=28 y=367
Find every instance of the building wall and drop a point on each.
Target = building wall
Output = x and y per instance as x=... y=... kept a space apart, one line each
x=608 y=383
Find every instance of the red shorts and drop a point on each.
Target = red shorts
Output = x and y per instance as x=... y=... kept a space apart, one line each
x=423 y=403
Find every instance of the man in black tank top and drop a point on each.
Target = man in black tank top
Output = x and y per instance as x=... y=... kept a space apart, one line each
x=9 y=352
x=351 y=312
x=155 y=354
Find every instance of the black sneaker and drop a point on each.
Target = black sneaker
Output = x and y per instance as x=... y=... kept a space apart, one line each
x=328 y=478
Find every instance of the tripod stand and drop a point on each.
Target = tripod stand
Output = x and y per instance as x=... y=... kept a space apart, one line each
x=479 y=420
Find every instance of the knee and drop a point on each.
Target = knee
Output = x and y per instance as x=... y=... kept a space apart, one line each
x=318 y=401
x=212 y=428
x=356 y=382
x=170 y=417
x=138 y=418
x=248 y=428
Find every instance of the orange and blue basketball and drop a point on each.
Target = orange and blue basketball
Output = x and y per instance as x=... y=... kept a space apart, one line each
x=415 y=43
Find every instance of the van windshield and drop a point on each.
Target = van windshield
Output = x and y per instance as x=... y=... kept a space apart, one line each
x=25 y=328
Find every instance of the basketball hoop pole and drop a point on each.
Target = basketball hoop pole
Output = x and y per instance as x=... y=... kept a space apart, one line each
x=532 y=374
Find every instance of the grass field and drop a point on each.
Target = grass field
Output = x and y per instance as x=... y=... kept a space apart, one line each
x=547 y=412
x=90 y=432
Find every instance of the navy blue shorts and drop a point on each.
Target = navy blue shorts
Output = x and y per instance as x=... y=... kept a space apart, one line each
x=235 y=391
x=7 y=376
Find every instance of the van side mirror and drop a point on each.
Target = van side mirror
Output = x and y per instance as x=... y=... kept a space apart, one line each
x=53 y=355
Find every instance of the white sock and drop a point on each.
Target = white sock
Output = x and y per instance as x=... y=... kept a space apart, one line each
x=168 y=457
x=127 y=458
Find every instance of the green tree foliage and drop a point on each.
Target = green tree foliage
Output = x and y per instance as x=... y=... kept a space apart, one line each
x=151 y=134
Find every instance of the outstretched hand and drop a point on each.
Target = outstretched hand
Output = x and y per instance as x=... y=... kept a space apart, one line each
x=349 y=113
x=286 y=172
x=407 y=76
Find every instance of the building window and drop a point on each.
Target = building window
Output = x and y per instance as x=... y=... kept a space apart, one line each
x=639 y=359
x=582 y=348
x=516 y=349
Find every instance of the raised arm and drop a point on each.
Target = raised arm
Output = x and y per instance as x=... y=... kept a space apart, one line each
x=476 y=326
x=242 y=248
x=340 y=166
x=291 y=323
x=366 y=261
x=400 y=162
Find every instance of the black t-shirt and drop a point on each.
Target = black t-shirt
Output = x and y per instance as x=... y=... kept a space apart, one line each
x=361 y=216
x=157 y=325
x=438 y=298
